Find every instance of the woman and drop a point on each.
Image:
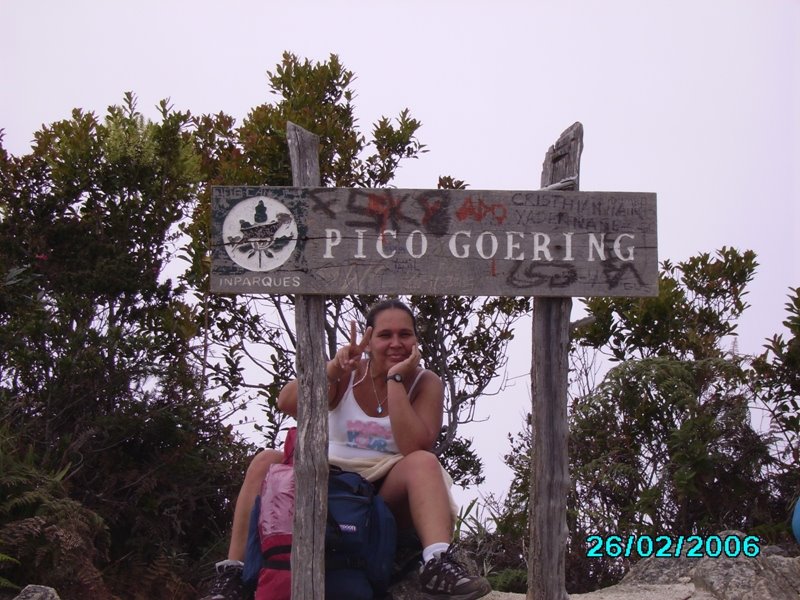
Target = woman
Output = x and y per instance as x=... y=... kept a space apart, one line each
x=385 y=414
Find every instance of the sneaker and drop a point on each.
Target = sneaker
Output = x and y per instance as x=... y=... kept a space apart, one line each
x=227 y=583
x=444 y=577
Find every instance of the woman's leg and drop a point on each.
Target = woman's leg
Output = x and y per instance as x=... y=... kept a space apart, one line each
x=251 y=487
x=416 y=493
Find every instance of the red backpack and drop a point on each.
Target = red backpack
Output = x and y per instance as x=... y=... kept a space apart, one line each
x=275 y=527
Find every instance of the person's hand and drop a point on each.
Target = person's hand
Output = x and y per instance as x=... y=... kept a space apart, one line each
x=348 y=356
x=407 y=367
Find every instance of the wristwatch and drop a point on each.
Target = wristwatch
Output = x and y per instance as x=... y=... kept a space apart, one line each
x=396 y=377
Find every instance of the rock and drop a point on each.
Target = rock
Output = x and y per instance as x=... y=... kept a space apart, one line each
x=407 y=588
x=640 y=591
x=762 y=578
x=37 y=592
x=769 y=576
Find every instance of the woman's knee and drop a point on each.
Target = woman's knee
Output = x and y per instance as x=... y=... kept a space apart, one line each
x=422 y=459
x=419 y=466
x=262 y=461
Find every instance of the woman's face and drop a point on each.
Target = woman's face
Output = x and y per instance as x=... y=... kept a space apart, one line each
x=392 y=337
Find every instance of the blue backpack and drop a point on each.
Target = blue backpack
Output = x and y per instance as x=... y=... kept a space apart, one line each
x=360 y=539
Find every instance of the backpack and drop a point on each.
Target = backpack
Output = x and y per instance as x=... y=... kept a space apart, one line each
x=276 y=516
x=360 y=539
x=360 y=536
x=269 y=540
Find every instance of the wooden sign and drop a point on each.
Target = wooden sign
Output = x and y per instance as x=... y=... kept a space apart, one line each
x=280 y=240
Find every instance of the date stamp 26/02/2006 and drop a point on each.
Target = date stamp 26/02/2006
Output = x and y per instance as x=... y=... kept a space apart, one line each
x=672 y=546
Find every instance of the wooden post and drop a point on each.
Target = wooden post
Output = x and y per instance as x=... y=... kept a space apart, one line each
x=311 y=457
x=549 y=380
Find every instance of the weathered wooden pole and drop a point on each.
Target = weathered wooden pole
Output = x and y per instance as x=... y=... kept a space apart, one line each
x=549 y=381
x=311 y=457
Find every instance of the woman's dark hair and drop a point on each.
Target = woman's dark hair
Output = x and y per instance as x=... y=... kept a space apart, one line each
x=386 y=305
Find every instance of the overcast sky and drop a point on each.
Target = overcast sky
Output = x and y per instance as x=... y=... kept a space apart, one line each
x=695 y=100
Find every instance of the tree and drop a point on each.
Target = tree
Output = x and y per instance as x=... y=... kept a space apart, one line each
x=664 y=444
x=258 y=331
x=775 y=380
x=464 y=339
x=680 y=400
x=98 y=383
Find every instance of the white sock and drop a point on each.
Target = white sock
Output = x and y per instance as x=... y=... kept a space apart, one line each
x=434 y=550
x=221 y=565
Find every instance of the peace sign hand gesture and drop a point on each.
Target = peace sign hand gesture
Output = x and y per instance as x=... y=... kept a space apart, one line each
x=348 y=356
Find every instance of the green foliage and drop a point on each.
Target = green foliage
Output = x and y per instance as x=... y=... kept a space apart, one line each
x=500 y=551
x=446 y=182
x=5 y=583
x=513 y=581
x=664 y=444
x=50 y=538
x=99 y=380
x=460 y=460
x=697 y=305
x=776 y=379
x=775 y=382
x=318 y=97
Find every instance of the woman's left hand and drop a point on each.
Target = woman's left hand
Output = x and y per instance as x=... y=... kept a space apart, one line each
x=407 y=367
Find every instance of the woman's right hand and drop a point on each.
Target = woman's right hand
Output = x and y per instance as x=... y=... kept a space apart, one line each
x=349 y=355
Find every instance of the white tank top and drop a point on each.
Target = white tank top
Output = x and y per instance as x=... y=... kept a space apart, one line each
x=354 y=434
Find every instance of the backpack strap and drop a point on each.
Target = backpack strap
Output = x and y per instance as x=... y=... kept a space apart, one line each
x=280 y=564
x=288 y=446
